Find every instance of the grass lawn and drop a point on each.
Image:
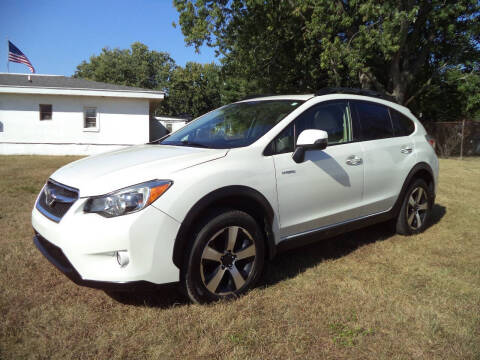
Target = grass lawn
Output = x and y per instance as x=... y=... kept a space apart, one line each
x=368 y=294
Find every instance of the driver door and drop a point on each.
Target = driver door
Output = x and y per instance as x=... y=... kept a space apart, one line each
x=326 y=188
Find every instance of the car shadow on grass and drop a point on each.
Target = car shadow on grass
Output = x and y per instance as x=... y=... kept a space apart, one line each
x=285 y=265
x=291 y=263
x=162 y=296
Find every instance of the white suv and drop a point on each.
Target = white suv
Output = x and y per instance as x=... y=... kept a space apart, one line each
x=209 y=204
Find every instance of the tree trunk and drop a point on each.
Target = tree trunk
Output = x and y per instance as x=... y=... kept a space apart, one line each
x=399 y=82
x=400 y=91
x=365 y=81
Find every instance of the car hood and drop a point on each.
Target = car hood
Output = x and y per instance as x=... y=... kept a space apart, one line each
x=107 y=172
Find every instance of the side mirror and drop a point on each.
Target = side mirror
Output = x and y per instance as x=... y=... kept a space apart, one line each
x=310 y=139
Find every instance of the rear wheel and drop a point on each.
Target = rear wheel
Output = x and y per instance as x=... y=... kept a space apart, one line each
x=226 y=258
x=416 y=208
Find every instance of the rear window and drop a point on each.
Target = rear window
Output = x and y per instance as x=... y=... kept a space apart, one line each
x=402 y=125
x=374 y=119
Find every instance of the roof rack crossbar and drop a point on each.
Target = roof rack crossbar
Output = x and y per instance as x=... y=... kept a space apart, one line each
x=353 y=91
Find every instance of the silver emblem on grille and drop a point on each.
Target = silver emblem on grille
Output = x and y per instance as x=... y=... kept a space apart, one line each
x=50 y=196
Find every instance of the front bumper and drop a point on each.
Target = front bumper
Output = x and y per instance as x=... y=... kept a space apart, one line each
x=83 y=246
x=55 y=255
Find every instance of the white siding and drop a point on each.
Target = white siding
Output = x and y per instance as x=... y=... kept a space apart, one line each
x=177 y=126
x=121 y=122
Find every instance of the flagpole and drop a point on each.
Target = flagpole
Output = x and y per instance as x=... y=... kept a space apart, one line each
x=8 y=63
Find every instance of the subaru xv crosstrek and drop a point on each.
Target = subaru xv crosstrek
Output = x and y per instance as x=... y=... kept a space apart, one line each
x=207 y=205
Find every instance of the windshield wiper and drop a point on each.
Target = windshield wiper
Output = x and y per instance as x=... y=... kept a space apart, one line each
x=159 y=140
x=193 y=143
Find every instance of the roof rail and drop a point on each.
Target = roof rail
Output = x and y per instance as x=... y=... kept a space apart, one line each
x=254 y=96
x=353 y=91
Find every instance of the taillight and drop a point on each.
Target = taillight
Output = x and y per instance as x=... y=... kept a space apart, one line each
x=430 y=140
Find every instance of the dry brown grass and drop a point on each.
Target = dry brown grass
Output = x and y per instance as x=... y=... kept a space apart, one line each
x=368 y=294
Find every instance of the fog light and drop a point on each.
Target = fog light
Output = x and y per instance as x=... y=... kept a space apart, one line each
x=122 y=258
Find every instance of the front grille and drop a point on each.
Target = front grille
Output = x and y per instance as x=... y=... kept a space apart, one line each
x=55 y=200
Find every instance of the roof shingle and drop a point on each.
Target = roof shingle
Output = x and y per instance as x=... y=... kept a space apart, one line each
x=63 y=82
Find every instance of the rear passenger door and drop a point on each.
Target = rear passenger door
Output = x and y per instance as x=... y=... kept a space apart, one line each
x=388 y=153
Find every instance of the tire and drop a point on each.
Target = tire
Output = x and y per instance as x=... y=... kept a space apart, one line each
x=416 y=209
x=226 y=258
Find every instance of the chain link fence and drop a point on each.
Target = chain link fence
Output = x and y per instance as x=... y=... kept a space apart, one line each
x=460 y=138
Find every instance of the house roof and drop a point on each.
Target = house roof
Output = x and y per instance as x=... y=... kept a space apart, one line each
x=171 y=118
x=63 y=85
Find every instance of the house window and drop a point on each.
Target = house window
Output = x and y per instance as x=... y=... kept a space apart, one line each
x=45 y=112
x=90 y=118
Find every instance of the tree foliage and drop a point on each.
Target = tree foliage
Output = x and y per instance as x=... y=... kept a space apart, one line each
x=453 y=95
x=193 y=89
x=425 y=53
x=137 y=66
x=399 y=47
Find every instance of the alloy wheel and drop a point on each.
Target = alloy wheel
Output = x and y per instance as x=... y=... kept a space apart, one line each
x=228 y=260
x=417 y=208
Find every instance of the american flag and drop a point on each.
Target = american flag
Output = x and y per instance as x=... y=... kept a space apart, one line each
x=15 y=55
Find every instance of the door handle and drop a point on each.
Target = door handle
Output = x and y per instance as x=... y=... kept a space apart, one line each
x=354 y=160
x=406 y=150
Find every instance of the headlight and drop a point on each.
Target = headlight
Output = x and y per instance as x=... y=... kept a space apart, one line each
x=128 y=200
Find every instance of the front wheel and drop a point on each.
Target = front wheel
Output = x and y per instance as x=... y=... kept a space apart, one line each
x=226 y=258
x=416 y=209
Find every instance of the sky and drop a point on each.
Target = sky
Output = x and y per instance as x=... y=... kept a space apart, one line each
x=56 y=35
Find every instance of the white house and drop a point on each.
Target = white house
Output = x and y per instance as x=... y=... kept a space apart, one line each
x=166 y=124
x=58 y=115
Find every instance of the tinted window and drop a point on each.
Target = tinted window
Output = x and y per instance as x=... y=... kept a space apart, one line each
x=284 y=142
x=402 y=125
x=374 y=120
x=333 y=117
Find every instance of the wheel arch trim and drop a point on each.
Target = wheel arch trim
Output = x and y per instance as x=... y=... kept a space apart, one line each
x=217 y=196
x=421 y=166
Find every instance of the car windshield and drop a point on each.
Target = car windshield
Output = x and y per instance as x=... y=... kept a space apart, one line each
x=233 y=125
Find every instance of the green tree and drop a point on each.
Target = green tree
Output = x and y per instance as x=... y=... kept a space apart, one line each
x=453 y=95
x=137 y=66
x=194 y=90
x=398 y=47
x=234 y=88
